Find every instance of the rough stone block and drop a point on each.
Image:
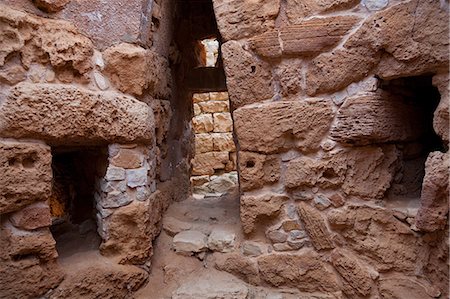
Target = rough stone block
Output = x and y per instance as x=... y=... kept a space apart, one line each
x=413 y=287
x=254 y=207
x=115 y=199
x=315 y=226
x=218 y=96
x=34 y=216
x=129 y=237
x=206 y=163
x=298 y=10
x=222 y=122
x=306 y=272
x=377 y=118
x=114 y=173
x=238 y=19
x=257 y=170
x=279 y=126
x=309 y=37
x=204 y=143
x=69 y=115
x=214 y=106
x=53 y=41
x=197 y=110
x=221 y=240
x=375 y=234
x=26 y=174
x=223 y=142
x=203 y=123
x=241 y=266
x=433 y=213
x=28 y=266
x=189 y=242
x=249 y=79
x=133 y=69
x=137 y=177
x=200 y=97
x=366 y=172
x=128 y=159
x=352 y=271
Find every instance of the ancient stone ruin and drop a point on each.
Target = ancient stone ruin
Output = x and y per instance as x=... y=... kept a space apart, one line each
x=332 y=114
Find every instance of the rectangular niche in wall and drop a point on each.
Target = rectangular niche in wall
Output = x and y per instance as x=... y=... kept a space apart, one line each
x=417 y=92
x=76 y=174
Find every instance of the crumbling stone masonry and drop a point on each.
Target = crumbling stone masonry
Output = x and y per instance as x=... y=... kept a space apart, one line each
x=340 y=115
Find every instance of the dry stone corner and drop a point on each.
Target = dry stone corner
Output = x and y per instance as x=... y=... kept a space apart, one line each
x=206 y=149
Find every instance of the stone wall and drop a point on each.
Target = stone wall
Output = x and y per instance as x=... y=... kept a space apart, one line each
x=324 y=147
x=215 y=152
x=75 y=76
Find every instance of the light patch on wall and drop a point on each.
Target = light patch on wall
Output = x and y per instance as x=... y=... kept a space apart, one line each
x=211 y=46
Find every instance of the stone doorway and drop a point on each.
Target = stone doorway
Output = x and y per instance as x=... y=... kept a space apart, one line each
x=77 y=175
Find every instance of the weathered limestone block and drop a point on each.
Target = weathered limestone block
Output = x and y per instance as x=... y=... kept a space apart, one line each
x=214 y=106
x=305 y=272
x=197 y=110
x=397 y=286
x=297 y=10
x=43 y=40
x=204 y=143
x=377 y=235
x=28 y=266
x=221 y=240
x=279 y=126
x=315 y=226
x=412 y=35
x=366 y=172
x=12 y=74
x=127 y=158
x=51 y=5
x=34 y=216
x=218 y=96
x=334 y=71
x=69 y=115
x=26 y=174
x=224 y=286
x=257 y=170
x=200 y=97
x=128 y=237
x=206 y=163
x=238 y=19
x=189 y=242
x=203 y=123
x=249 y=79
x=238 y=265
x=222 y=122
x=433 y=213
x=254 y=207
x=354 y=274
x=100 y=279
x=309 y=37
x=223 y=142
x=441 y=123
x=289 y=72
x=133 y=69
x=377 y=118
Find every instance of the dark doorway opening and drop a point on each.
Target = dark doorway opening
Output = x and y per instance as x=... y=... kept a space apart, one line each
x=420 y=93
x=76 y=177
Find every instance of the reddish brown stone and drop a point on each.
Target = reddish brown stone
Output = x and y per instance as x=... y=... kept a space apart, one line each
x=315 y=227
x=34 y=216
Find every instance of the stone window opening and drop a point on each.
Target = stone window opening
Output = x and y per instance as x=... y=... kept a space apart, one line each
x=422 y=97
x=76 y=178
x=208 y=52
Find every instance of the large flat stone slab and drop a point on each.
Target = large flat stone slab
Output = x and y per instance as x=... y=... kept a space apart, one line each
x=69 y=115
